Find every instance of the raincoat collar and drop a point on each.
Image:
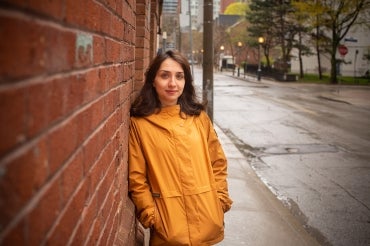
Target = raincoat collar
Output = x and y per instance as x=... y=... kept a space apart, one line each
x=171 y=110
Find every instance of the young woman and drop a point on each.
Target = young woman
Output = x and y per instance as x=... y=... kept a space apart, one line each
x=177 y=168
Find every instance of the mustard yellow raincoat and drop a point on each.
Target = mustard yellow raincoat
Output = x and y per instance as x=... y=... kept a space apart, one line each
x=177 y=178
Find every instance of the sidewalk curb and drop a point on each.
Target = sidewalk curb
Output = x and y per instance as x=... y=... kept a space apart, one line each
x=259 y=207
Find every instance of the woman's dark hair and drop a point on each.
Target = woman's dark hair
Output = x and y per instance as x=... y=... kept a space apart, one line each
x=148 y=102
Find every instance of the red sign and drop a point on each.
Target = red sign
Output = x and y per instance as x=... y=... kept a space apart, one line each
x=343 y=50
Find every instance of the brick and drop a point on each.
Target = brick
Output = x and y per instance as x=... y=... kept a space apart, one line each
x=116 y=27
x=88 y=216
x=132 y=4
x=22 y=177
x=110 y=209
x=111 y=102
x=72 y=176
x=75 y=12
x=16 y=235
x=93 y=86
x=112 y=124
x=60 y=50
x=20 y=59
x=113 y=232
x=85 y=128
x=37 y=108
x=130 y=34
x=111 y=4
x=104 y=187
x=44 y=213
x=69 y=218
x=46 y=50
x=128 y=52
x=92 y=149
x=13 y=116
x=119 y=72
x=104 y=79
x=88 y=120
x=97 y=112
x=105 y=20
x=99 y=50
x=93 y=236
x=75 y=92
x=57 y=98
x=62 y=142
x=53 y=9
x=119 y=6
x=128 y=14
x=128 y=73
x=77 y=238
x=92 y=15
x=113 y=51
x=141 y=8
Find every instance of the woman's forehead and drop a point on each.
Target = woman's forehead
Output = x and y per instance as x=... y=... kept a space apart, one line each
x=171 y=66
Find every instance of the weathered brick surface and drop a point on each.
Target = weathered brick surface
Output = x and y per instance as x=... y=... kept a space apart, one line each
x=68 y=72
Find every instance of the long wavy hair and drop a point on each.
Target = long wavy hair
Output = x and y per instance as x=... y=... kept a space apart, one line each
x=148 y=102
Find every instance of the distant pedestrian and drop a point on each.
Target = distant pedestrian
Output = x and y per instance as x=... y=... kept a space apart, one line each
x=177 y=168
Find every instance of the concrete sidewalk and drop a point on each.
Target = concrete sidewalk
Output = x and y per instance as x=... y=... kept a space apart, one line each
x=257 y=217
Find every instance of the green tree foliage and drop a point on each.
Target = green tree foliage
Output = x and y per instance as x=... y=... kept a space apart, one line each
x=261 y=25
x=274 y=21
x=237 y=8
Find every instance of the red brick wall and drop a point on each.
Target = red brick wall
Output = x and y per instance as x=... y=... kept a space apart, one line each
x=67 y=73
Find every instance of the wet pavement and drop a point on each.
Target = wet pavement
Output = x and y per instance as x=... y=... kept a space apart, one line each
x=258 y=216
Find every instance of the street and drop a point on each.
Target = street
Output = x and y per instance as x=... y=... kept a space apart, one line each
x=310 y=149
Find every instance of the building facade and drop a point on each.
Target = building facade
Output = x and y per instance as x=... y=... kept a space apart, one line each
x=68 y=73
x=196 y=8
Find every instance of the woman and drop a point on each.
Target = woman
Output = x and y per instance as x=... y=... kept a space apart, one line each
x=177 y=168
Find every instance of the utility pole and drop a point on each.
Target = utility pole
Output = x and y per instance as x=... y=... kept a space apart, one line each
x=208 y=56
x=191 y=41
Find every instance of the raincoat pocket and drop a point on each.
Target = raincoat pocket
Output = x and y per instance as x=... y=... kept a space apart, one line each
x=159 y=226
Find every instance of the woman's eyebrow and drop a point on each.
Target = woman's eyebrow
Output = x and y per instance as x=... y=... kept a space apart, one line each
x=162 y=70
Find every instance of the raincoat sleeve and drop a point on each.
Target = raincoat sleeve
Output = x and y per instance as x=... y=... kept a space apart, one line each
x=219 y=164
x=138 y=184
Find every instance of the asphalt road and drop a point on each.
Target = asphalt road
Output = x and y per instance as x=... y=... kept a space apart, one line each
x=312 y=152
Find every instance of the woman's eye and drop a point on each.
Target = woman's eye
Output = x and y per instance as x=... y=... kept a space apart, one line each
x=179 y=76
x=164 y=76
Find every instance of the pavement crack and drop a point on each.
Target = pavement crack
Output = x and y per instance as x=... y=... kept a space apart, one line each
x=248 y=151
x=333 y=99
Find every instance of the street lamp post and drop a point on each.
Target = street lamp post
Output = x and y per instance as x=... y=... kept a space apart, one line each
x=164 y=37
x=354 y=72
x=222 y=48
x=261 y=40
x=240 y=44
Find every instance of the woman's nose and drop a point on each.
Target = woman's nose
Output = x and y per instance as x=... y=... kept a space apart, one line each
x=171 y=81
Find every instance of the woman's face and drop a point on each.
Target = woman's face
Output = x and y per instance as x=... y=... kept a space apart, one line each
x=169 y=82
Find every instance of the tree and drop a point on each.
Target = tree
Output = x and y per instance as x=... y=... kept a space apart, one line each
x=303 y=33
x=273 y=21
x=237 y=8
x=261 y=25
x=335 y=18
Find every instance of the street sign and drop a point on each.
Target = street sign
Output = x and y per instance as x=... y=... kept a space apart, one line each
x=350 y=39
x=343 y=50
